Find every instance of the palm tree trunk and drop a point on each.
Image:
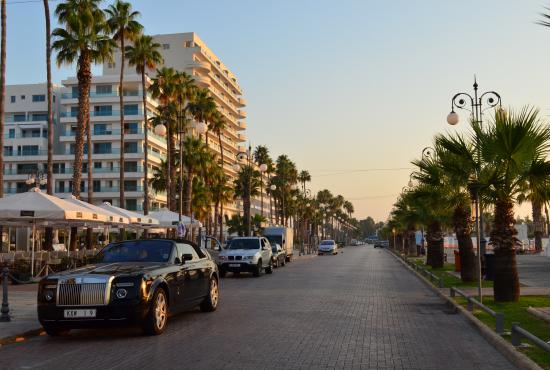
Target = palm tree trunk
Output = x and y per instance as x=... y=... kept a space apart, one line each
x=49 y=170
x=84 y=76
x=2 y=102
x=188 y=191
x=121 y=200
x=216 y=216
x=506 y=283
x=462 y=228
x=173 y=168
x=246 y=210
x=89 y=231
x=146 y=149
x=537 y=221
x=435 y=243
x=220 y=218
x=221 y=222
x=411 y=241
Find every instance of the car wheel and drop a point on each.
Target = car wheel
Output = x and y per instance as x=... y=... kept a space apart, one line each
x=258 y=270
x=55 y=331
x=155 y=322
x=210 y=303
x=269 y=269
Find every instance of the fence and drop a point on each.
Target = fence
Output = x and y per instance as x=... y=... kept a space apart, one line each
x=499 y=317
x=518 y=332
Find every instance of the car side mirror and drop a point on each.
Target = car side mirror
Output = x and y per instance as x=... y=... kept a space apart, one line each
x=186 y=257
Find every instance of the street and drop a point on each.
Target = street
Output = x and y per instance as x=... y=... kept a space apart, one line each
x=359 y=309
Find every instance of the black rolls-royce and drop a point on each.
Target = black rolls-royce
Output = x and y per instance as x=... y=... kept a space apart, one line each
x=131 y=282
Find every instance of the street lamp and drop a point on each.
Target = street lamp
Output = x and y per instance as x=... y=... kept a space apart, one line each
x=476 y=105
x=263 y=168
x=427 y=152
x=36 y=178
x=474 y=196
x=272 y=187
x=241 y=156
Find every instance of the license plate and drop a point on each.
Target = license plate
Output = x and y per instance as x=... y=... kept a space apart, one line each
x=234 y=265
x=77 y=314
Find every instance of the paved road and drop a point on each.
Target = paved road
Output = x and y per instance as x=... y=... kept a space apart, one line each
x=360 y=309
x=534 y=270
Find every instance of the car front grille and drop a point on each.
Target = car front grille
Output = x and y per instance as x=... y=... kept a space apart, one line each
x=231 y=258
x=238 y=258
x=71 y=293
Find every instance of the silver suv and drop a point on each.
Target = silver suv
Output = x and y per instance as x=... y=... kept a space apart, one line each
x=246 y=254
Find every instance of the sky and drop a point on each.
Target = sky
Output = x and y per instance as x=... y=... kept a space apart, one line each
x=351 y=90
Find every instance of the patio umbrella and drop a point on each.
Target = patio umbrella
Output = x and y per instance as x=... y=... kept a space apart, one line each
x=37 y=208
x=110 y=217
x=170 y=219
x=134 y=217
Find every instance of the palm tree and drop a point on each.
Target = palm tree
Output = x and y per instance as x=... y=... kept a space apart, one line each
x=247 y=185
x=508 y=148
x=84 y=39
x=49 y=168
x=2 y=96
x=144 y=55
x=158 y=182
x=197 y=156
x=222 y=193
x=122 y=23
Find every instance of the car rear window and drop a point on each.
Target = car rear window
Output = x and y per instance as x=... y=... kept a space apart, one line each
x=327 y=242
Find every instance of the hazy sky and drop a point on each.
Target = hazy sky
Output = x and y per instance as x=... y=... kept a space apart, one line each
x=350 y=90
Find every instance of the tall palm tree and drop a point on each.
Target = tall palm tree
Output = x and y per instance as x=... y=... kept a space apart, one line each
x=247 y=185
x=144 y=54
x=122 y=23
x=197 y=156
x=222 y=193
x=508 y=148
x=2 y=95
x=49 y=167
x=83 y=39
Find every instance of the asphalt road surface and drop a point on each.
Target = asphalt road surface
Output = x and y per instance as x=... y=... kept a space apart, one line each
x=360 y=309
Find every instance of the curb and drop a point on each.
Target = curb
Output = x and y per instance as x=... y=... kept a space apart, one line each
x=21 y=337
x=501 y=345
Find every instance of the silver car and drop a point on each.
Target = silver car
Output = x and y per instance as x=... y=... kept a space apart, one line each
x=327 y=247
x=246 y=254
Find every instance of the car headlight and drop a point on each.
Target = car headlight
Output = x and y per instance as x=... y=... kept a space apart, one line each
x=121 y=293
x=248 y=257
x=49 y=295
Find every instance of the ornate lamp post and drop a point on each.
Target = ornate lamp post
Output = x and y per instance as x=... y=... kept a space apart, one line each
x=263 y=169
x=36 y=178
x=476 y=105
x=272 y=187
x=427 y=152
x=161 y=130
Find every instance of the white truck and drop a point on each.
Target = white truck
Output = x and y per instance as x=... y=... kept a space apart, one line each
x=284 y=236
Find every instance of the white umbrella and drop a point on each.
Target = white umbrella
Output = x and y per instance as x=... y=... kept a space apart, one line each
x=170 y=219
x=110 y=217
x=134 y=217
x=35 y=207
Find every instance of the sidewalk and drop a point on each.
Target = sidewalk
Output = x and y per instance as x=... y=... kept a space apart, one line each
x=22 y=303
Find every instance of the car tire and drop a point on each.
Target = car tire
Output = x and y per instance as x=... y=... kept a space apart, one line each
x=55 y=331
x=258 y=270
x=269 y=268
x=157 y=317
x=210 y=302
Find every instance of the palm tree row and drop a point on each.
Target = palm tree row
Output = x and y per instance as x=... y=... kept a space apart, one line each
x=505 y=164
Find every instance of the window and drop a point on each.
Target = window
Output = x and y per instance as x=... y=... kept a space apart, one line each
x=130 y=185
x=188 y=44
x=102 y=148
x=39 y=117
x=59 y=168
x=12 y=98
x=131 y=128
x=131 y=204
x=186 y=249
x=97 y=185
x=19 y=118
x=97 y=165
x=130 y=147
x=8 y=150
x=38 y=98
x=166 y=46
x=85 y=167
x=130 y=167
x=60 y=187
x=104 y=89
x=111 y=65
x=11 y=133
x=74 y=92
x=101 y=129
x=22 y=97
x=131 y=109
x=74 y=111
x=103 y=110
x=28 y=150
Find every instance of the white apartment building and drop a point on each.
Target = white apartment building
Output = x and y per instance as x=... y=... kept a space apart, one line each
x=188 y=53
x=105 y=129
x=26 y=134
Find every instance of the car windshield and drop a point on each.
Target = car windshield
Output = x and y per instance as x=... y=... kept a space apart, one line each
x=136 y=251
x=244 y=244
x=327 y=242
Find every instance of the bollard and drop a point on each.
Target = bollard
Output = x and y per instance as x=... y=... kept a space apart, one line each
x=516 y=338
x=470 y=305
x=5 y=311
x=499 y=325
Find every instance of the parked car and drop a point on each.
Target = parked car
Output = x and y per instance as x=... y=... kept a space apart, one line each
x=246 y=254
x=381 y=244
x=131 y=282
x=327 y=247
x=279 y=255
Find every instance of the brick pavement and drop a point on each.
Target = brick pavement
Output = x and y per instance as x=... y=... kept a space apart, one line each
x=358 y=310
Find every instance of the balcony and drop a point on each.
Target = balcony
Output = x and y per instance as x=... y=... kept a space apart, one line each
x=25 y=153
x=203 y=81
x=115 y=132
x=242 y=148
x=242 y=113
x=101 y=189
x=205 y=66
x=113 y=113
x=242 y=125
x=242 y=102
x=242 y=137
x=100 y=95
